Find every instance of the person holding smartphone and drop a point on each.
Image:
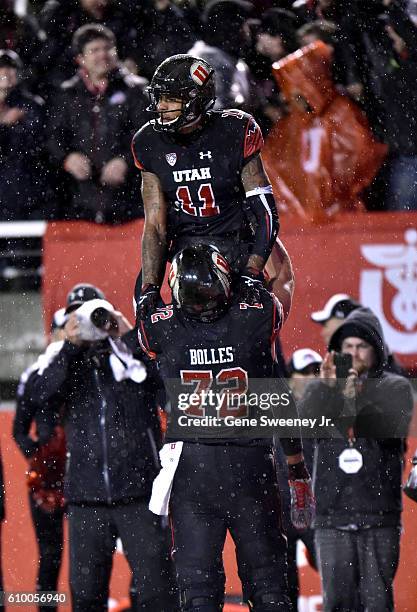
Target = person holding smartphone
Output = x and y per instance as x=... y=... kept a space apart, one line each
x=358 y=466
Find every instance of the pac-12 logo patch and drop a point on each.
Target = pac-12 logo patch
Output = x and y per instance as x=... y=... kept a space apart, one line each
x=171 y=158
x=199 y=73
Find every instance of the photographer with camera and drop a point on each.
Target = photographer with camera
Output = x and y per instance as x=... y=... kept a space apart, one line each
x=38 y=433
x=358 y=466
x=113 y=433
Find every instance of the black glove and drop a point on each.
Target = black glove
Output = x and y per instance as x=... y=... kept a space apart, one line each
x=303 y=503
x=250 y=285
x=148 y=301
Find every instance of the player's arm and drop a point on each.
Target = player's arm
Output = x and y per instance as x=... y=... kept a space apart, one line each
x=260 y=201
x=154 y=243
x=148 y=333
x=280 y=270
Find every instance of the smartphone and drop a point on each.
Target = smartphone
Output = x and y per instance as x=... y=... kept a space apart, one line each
x=343 y=363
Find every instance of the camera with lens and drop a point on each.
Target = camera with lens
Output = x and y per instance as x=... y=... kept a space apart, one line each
x=96 y=320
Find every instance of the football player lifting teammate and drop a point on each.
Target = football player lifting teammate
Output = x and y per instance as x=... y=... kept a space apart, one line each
x=208 y=339
x=202 y=180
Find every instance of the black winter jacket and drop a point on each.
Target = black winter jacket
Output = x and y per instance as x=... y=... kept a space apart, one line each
x=389 y=78
x=28 y=412
x=379 y=418
x=22 y=177
x=112 y=428
x=101 y=127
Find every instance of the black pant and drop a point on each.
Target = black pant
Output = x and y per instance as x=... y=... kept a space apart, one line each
x=219 y=488
x=93 y=531
x=50 y=537
x=307 y=537
x=357 y=568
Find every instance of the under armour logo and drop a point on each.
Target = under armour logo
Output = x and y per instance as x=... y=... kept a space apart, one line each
x=203 y=155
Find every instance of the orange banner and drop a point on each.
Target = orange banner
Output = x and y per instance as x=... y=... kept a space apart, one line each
x=372 y=257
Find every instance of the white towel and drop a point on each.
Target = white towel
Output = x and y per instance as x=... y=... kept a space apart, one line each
x=161 y=489
x=124 y=365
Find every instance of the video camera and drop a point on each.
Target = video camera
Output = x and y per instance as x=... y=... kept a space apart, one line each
x=96 y=320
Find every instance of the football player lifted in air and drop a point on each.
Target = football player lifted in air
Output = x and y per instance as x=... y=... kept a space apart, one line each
x=208 y=339
x=202 y=180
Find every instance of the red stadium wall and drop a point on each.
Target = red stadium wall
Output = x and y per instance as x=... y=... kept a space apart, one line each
x=373 y=257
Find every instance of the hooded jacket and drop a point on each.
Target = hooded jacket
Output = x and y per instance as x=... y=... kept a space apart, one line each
x=318 y=159
x=376 y=423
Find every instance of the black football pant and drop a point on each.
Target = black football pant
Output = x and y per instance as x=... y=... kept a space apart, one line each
x=307 y=537
x=93 y=531
x=219 y=488
x=50 y=538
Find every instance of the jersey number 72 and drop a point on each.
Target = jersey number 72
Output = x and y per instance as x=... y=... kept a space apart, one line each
x=229 y=398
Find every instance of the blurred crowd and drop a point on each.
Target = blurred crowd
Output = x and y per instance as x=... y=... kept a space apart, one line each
x=339 y=117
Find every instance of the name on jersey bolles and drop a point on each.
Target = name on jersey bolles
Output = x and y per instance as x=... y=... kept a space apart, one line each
x=211 y=356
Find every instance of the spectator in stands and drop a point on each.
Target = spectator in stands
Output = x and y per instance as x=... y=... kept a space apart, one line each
x=20 y=32
x=113 y=434
x=386 y=51
x=358 y=471
x=344 y=72
x=382 y=40
x=333 y=315
x=22 y=176
x=223 y=49
x=275 y=38
x=303 y=367
x=162 y=31
x=46 y=454
x=60 y=19
x=322 y=154
x=91 y=124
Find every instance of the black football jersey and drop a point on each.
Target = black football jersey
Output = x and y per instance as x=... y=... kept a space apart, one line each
x=219 y=357
x=201 y=173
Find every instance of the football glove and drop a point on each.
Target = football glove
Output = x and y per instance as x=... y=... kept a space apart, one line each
x=250 y=284
x=148 y=301
x=303 y=503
